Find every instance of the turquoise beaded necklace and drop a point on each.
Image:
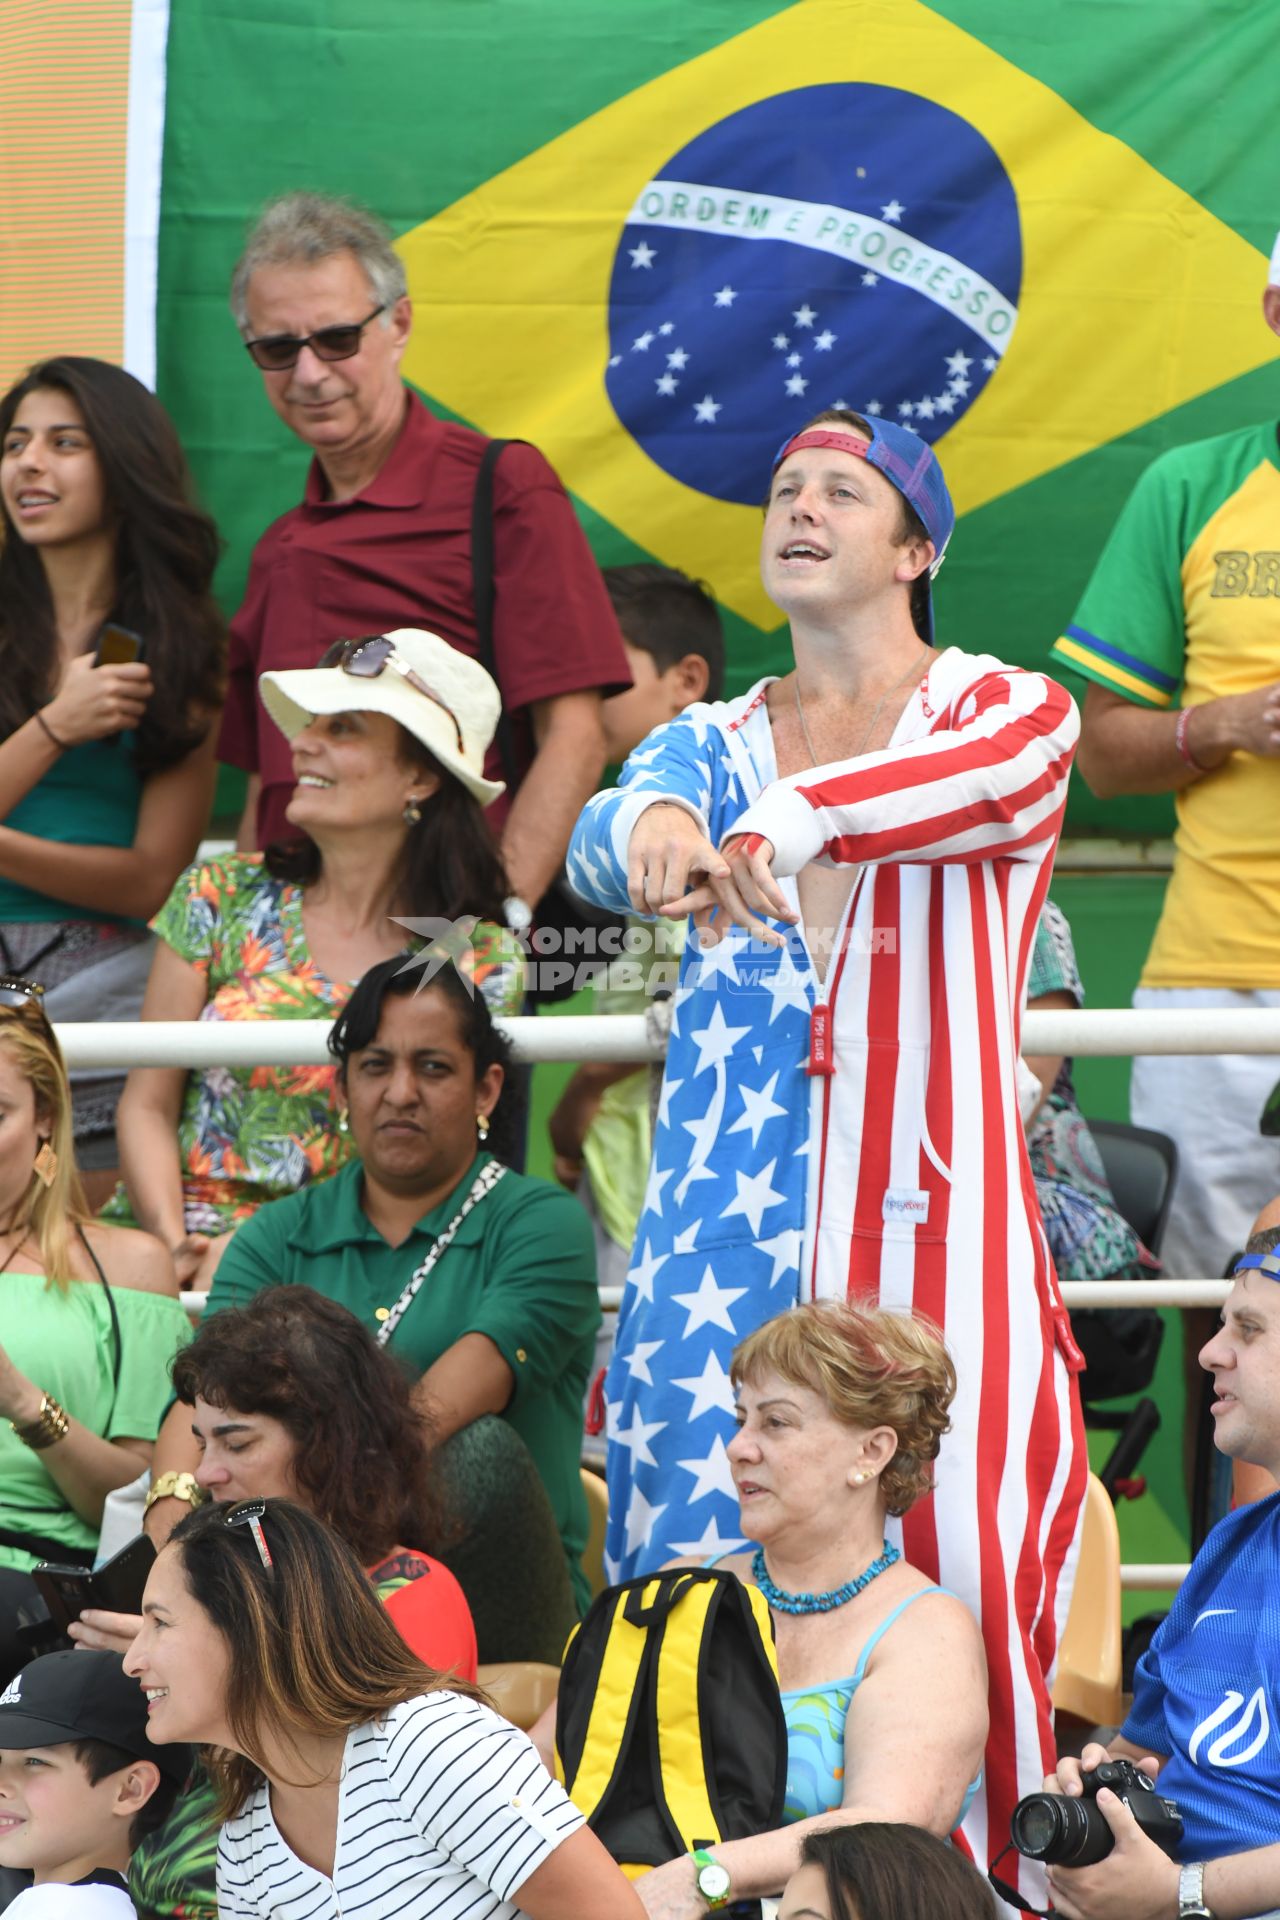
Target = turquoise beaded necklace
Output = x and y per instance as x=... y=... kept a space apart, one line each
x=818 y=1602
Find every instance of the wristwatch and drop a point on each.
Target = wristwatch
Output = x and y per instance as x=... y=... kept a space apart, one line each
x=177 y=1486
x=1191 y=1904
x=711 y=1878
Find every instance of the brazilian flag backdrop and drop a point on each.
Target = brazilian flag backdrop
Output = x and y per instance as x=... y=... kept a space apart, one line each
x=654 y=238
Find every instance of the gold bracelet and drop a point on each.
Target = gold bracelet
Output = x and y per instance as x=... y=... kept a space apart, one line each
x=175 y=1486
x=51 y=1426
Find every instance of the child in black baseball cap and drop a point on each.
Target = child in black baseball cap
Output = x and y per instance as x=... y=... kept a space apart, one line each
x=80 y=1783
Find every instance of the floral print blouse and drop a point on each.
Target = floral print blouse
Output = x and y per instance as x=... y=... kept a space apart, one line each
x=248 y=1135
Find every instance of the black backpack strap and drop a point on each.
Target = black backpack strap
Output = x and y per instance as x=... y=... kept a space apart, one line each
x=482 y=595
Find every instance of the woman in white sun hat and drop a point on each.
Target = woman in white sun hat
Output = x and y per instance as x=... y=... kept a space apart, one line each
x=389 y=737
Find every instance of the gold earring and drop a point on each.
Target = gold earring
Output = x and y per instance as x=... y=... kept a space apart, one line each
x=342 y=1120
x=45 y=1164
x=482 y=1126
x=412 y=813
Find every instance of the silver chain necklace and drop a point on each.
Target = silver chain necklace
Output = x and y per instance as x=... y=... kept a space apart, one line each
x=917 y=667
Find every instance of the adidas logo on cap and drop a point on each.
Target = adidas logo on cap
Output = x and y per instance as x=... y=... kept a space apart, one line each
x=12 y=1694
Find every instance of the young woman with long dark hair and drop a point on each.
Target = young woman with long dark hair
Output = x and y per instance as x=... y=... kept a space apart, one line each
x=388 y=746
x=106 y=770
x=350 y=1775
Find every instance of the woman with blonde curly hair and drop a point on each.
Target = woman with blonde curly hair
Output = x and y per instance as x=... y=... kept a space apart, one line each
x=841 y=1412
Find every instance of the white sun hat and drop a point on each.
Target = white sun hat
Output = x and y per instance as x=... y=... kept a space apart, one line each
x=453 y=710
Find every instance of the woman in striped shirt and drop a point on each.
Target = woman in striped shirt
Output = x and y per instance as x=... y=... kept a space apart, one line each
x=351 y=1777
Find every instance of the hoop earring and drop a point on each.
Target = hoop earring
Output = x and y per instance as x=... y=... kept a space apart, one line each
x=412 y=813
x=45 y=1164
x=482 y=1126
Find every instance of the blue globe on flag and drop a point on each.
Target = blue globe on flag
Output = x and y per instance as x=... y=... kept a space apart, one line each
x=843 y=245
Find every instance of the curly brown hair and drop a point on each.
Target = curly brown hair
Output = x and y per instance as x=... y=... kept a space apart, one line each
x=874 y=1368
x=362 y=1447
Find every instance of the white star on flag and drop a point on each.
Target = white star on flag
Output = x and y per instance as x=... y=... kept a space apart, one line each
x=706 y=410
x=989 y=362
x=905 y=409
x=636 y=1439
x=677 y=359
x=796 y=384
x=894 y=210
x=786 y=988
x=871 y=279
x=754 y=1196
x=615 y=359
x=804 y=316
x=642 y=343
x=758 y=1106
x=669 y=1088
x=840 y=403
x=793 y=359
x=713 y=1474
x=643 y=255
x=924 y=408
x=725 y=296
x=668 y=326
x=711 y=1390
x=784 y=1251
x=716 y=1041
x=687 y=1242
x=945 y=402
x=873 y=407
x=637 y=1361
x=960 y=384
x=666 y=383
x=958 y=362
x=781 y=341
x=658 y=1178
x=825 y=340
x=641 y=1519
x=709 y=1306
x=711 y=1543
x=640 y=1273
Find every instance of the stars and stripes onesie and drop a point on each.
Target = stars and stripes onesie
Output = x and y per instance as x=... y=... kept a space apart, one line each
x=861 y=1136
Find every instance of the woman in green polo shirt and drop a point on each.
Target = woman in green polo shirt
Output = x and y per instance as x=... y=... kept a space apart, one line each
x=482 y=1280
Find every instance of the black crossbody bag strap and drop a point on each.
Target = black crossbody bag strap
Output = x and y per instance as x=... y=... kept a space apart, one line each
x=482 y=597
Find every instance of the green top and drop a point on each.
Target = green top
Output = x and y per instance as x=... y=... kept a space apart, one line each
x=618 y=1146
x=61 y=1338
x=521 y=1270
x=90 y=798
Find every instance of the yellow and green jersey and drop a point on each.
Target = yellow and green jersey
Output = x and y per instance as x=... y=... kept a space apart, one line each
x=1184 y=606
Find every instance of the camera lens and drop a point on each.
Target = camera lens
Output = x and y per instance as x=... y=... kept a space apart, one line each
x=1059 y=1831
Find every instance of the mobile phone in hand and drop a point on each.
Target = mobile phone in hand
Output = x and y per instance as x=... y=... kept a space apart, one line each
x=118 y=646
x=116 y=1587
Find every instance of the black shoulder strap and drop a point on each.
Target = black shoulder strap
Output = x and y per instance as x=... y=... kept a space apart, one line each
x=117 y=1345
x=482 y=592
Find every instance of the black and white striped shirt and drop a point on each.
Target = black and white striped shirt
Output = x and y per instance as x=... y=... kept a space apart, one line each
x=444 y=1811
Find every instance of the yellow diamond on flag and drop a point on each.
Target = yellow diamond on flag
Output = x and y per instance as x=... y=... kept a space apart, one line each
x=846 y=204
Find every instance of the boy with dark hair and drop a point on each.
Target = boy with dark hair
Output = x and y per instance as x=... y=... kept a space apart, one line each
x=80 y=1784
x=674 y=645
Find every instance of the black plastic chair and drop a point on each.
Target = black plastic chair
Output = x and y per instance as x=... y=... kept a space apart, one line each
x=1142 y=1170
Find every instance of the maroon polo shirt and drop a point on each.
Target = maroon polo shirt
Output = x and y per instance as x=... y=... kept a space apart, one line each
x=399 y=555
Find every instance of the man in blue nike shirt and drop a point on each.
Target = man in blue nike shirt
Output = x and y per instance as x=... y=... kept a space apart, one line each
x=1205 y=1718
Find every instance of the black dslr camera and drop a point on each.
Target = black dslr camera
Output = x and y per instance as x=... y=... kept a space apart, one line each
x=1072 y=1832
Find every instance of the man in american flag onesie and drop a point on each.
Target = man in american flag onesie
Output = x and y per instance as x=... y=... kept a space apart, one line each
x=872 y=836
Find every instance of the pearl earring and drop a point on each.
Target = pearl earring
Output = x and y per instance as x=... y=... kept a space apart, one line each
x=412 y=813
x=482 y=1126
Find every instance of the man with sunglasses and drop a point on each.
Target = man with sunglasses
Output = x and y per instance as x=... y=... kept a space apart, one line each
x=382 y=536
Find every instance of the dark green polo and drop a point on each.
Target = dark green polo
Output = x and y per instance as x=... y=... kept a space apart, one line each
x=521 y=1269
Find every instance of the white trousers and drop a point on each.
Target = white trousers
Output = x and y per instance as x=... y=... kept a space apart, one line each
x=1210 y=1105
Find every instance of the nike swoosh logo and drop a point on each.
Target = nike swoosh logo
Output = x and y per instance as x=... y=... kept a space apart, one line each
x=1208 y=1615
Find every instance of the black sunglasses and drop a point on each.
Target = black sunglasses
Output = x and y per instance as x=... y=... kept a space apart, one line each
x=366 y=659
x=276 y=351
x=251 y=1513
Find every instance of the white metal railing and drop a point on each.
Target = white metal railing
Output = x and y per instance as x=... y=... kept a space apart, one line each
x=1088 y=1033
